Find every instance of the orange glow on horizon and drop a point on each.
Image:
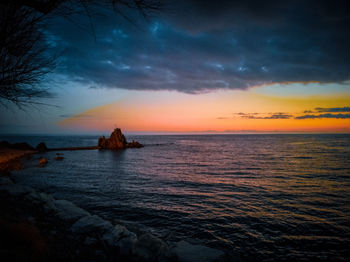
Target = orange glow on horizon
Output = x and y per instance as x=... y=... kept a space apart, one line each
x=212 y=112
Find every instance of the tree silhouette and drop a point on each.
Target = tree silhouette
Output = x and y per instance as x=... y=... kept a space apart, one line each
x=24 y=57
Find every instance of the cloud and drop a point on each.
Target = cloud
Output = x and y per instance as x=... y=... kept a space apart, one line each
x=337 y=116
x=278 y=115
x=215 y=45
x=333 y=109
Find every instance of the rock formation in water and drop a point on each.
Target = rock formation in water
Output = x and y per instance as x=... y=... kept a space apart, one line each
x=117 y=141
x=41 y=147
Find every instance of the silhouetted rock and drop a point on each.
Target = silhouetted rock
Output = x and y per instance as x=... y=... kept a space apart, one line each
x=43 y=161
x=41 y=147
x=116 y=141
x=133 y=144
x=5 y=144
x=20 y=146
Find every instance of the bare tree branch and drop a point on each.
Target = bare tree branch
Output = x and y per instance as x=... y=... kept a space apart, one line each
x=24 y=56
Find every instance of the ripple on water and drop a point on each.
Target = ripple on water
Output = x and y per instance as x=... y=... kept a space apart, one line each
x=261 y=197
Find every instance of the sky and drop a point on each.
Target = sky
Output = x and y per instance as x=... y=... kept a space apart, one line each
x=197 y=67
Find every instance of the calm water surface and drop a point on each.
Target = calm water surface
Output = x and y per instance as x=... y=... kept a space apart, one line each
x=259 y=197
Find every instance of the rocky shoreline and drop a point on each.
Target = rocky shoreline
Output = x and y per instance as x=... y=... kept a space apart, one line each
x=10 y=159
x=44 y=228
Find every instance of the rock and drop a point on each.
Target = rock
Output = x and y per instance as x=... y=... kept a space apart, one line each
x=5 y=144
x=59 y=157
x=90 y=241
x=126 y=244
x=122 y=238
x=41 y=147
x=34 y=198
x=116 y=141
x=91 y=224
x=113 y=236
x=48 y=202
x=20 y=146
x=68 y=211
x=4 y=180
x=186 y=252
x=43 y=162
x=150 y=248
x=134 y=144
x=44 y=200
x=135 y=227
x=16 y=190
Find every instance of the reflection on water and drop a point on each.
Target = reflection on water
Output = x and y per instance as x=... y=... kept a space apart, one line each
x=258 y=196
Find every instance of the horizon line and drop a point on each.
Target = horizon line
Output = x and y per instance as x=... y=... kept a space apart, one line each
x=150 y=133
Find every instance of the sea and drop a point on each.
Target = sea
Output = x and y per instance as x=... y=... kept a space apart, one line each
x=266 y=197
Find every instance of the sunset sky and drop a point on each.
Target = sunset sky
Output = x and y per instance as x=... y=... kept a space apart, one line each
x=195 y=67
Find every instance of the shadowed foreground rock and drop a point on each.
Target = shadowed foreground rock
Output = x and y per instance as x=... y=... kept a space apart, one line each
x=116 y=141
x=34 y=226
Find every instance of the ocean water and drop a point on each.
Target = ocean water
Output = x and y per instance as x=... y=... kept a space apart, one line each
x=257 y=197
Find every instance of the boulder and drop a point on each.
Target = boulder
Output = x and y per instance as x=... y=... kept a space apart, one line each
x=120 y=237
x=116 y=141
x=90 y=241
x=133 y=144
x=91 y=224
x=48 y=202
x=41 y=147
x=68 y=211
x=15 y=190
x=4 y=180
x=150 y=248
x=186 y=252
x=43 y=162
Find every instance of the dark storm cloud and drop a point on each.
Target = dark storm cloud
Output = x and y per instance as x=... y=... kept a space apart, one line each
x=199 y=46
x=337 y=116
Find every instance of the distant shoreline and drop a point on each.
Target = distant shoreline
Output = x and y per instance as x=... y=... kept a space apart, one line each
x=172 y=134
x=10 y=159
